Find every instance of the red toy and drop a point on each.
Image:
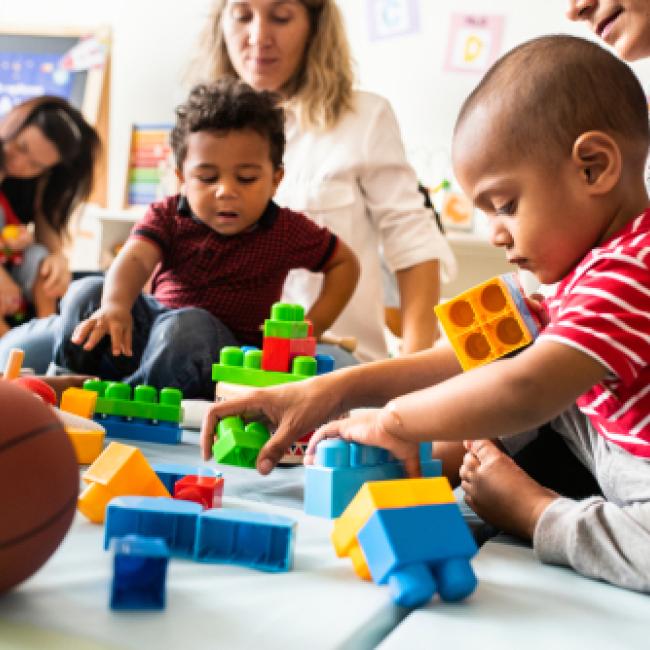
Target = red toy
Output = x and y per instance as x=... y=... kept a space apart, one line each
x=39 y=483
x=204 y=490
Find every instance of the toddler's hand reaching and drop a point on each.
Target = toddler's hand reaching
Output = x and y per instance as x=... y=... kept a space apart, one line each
x=114 y=320
x=367 y=428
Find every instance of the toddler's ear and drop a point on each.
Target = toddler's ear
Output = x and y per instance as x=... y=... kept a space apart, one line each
x=598 y=159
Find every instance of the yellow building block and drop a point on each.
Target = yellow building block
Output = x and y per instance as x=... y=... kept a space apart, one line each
x=79 y=401
x=487 y=321
x=87 y=444
x=375 y=495
x=120 y=470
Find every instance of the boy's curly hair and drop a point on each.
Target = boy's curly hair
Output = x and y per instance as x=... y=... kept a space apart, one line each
x=229 y=105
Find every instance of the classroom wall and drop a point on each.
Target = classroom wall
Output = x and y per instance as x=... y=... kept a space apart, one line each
x=153 y=41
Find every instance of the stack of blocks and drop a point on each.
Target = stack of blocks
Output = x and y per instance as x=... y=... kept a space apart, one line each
x=411 y=535
x=288 y=354
x=145 y=416
x=488 y=321
x=341 y=468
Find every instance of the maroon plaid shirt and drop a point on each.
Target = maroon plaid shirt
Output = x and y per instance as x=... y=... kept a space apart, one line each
x=236 y=278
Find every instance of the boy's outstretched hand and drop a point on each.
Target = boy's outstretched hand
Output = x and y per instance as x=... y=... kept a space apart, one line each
x=113 y=320
x=367 y=428
x=292 y=409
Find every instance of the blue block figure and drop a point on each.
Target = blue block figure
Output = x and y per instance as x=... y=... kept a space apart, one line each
x=341 y=469
x=420 y=551
x=172 y=520
x=253 y=539
x=139 y=573
x=169 y=473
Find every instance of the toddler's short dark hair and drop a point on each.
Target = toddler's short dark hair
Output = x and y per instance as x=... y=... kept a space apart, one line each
x=551 y=89
x=229 y=105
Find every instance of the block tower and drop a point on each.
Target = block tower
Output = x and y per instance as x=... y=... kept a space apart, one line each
x=288 y=354
x=488 y=321
x=409 y=534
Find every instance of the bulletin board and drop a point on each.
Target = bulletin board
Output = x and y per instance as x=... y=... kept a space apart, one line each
x=70 y=63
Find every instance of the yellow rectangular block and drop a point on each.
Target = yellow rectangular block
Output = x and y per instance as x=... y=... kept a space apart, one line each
x=120 y=470
x=487 y=322
x=375 y=495
x=79 y=401
x=87 y=444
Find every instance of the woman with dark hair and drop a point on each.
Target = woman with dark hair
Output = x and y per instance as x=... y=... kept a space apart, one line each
x=49 y=152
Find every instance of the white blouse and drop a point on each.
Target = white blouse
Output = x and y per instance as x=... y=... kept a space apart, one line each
x=355 y=180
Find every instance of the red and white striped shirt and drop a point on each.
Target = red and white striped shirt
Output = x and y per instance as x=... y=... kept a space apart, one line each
x=602 y=308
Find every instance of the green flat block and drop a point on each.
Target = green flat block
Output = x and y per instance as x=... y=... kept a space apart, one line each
x=252 y=377
x=286 y=329
x=238 y=444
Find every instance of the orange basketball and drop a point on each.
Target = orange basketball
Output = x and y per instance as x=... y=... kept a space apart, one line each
x=39 y=483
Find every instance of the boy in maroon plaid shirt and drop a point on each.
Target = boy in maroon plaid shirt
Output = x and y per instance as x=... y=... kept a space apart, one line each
x=219 y=254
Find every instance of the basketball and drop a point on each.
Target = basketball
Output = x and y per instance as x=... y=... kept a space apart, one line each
x=39 y=483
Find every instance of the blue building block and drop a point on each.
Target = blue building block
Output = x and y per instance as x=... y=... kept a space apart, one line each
x=419 y=551
x=171 y=519
x=324 y=363
x=341 y=469
x=168 y=433
x=139 y=573
x=253 y=539
x=169 y=473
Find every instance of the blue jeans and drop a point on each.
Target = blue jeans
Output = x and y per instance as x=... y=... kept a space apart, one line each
x=36 y=338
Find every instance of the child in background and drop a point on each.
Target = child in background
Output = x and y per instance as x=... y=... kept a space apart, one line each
x=551 y=145
x=219 y=254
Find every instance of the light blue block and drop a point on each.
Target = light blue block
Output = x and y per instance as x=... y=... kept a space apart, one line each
x=171 y=519
x=401 y=545
x=252 y=539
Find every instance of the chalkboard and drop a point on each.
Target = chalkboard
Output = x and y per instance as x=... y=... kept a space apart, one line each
x=68 y=63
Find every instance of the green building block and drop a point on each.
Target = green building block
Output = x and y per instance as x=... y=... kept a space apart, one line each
x=287 y=322
x=239 y=444
x=244 y=369
x=114 y=398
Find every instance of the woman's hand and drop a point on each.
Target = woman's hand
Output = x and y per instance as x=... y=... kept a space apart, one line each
x=10 y=294
x=367 y=427
x=112 y=319
x=293 y=409
x=55 y=272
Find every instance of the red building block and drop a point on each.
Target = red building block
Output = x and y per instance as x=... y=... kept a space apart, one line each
x=204 y=490
x=275 y=354
x=302 y=348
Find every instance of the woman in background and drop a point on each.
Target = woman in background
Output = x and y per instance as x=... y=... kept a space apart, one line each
x=345 y=164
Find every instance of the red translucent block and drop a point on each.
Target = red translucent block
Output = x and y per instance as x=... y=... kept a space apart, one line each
x=207 y=491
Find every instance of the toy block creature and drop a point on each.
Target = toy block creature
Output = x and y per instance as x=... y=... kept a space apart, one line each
x=254 y=539
x=341 y=468
x=288 y=354
x=171 y=519
x=139 y=573
x=488 y=321
x=207 y=491
x=410 y=535
x=147 y=416
x=120 y=470
x=170 y=473
x=237 y=443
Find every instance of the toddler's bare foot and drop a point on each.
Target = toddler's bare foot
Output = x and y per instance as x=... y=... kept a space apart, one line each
x=500 y=492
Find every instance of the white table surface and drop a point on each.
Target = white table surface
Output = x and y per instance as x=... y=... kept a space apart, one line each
x=525 y=605
x=319 y=604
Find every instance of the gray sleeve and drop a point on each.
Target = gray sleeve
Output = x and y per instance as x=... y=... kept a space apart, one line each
x=598 y=539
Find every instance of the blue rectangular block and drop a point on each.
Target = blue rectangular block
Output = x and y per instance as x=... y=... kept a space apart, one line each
x=396 y=537
x=170 y=519
x=168 y=433
x=139 y=573
x=169 y=473
x=253 y=539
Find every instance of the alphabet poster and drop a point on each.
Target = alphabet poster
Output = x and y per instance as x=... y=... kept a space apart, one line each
x=392 y=18
x=474 y=42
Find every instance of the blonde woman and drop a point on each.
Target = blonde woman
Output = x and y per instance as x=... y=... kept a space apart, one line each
x=344 y=163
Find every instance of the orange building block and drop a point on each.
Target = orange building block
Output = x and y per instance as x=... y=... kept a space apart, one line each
x=374 y=495
x=120 y=470
x=79 y=401
x=487 y=321
x=87 y=444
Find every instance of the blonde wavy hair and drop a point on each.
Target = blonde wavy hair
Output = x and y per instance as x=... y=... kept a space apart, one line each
x=321 y=89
